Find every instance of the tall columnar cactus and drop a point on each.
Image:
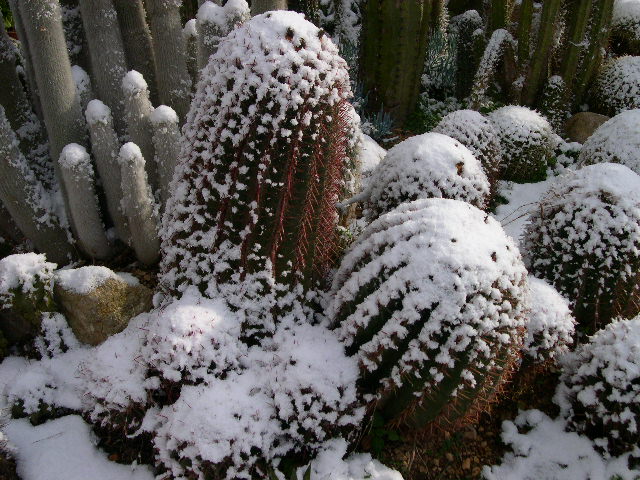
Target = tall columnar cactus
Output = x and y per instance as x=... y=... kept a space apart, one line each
x=499 y=14
x=138 y=204
x=174 y=83
x=393 y=48
x=108 y=62
x=262 y=6
x=57 y=91
x=576 y=40
x=136 y=37
x=106 y=147
x=27 y=201
x=138 y=110
x=262 y=164
x=524 y=32
x=215 y=22
x=190 y=39
x=83 y=86
x=166 y=141
x=434 y=316
x=78 y=178
x=465 y=26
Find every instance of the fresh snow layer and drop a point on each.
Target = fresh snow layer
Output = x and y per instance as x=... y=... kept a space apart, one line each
x=85 y=279
x=23 y=271
x=626 y=13
x=97 y=112
x=164 y=114
x=64 y=449
x=134 y=83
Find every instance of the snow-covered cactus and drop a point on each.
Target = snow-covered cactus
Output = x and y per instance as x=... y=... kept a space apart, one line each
x=138 y=204
x=550 y=326
x=105 y=147
x=25 y=198
x=166 y=142
x=464 y=27
x=174 y=83
x=584 y=239
x=78 y=178
x=617 y=86
x=615 y=141
x=555 y=103
x=434 y=315
x=215 y=22
x=262 y=6
x=136 y=38
x=108 y=62
x=527 y=141
x=138 y=110
x=476 y=133
x=430 y=165
x=625 y=27
x=599 y=391
x=263 y=161
x=83 y=86
x=190 y=39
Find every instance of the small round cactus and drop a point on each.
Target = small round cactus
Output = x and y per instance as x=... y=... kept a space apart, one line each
x=435 y=316
x=615 y=141
x=584 y=239
x=527 y=141
x=599 y=391
x=475 y=132
x=617 y=86
x=550 y=326
x=625 y=27
x=431 y=165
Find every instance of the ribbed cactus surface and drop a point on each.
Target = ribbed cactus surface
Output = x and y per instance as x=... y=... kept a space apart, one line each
x=262 y=160
x=431 y=299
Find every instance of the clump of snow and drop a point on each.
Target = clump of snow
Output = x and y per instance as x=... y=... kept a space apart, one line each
x=527 y=141
x=617 y=86
x=97 y=112
x=476 y=133
x=85 y=279
x=599 y=390
x=133 y=83
x=371 y=154
x=131 y=153
x=615 y=141
x=75 y=158
x=81 y=80
x=551 y=326
x=544 y=450
x=164 y=114
x=584 y=239
x=25 y=273
x=431 y=165
x=190 y=29
x=56 y=337
x=499 y=41
x=416 y=280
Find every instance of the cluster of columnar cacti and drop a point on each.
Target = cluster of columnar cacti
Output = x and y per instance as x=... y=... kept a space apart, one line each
x=584 y=240
x=263 y=164
x=434 y=316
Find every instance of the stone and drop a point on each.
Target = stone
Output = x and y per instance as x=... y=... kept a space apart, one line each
x=98 y=302
x=582 y=125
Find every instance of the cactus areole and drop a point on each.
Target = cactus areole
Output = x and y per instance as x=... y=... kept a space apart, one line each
x=263 y=160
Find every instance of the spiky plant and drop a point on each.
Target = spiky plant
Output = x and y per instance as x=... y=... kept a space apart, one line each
x=616 y=87
x=262 y=163
x=584 y=239
x=625 y=28
x=434 y=315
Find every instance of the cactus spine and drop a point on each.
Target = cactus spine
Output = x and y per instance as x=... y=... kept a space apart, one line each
x=136 y=38
x=138 y=204
x=262 y=6
x=138 y=110
x=166 y=141
x=108 y=61
x=174 y=84
x=24 y=197
x=105 y=147
x=78 y=178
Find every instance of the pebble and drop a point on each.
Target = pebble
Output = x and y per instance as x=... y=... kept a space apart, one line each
x=449 y=456
x=466 y=464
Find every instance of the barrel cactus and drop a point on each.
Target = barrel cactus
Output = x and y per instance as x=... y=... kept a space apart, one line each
x=599 y=391
x=434 y=315
x=615 y=141
x=527 y=141
x=431 y=165
x=617 y=86
x=475 y=132
x=584 y=239
x=625 y=27
x=262 y=165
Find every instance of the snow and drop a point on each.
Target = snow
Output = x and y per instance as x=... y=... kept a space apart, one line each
x=371 y=154
x=85 y=279
x=74 y=157
x=164 y=114
x=626 y=15
x=551 y=326
x=617 y=86
x=616 y=140
x=544 y=450
x=98 y=112
x=134 y=83
x=64 y=449
x=56 y=336
x=81 y=80
x=26 y=272
x=130 y=153
x=431 y=165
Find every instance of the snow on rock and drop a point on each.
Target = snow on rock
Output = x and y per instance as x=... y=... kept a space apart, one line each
x=431 y=165
x=551 y=326
x=544 y=450
x=371 y=154
x=599 y=390
x=24 y=272
x=617 y=86
x=64 y=449
x=85 y=279
x=616 y=141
